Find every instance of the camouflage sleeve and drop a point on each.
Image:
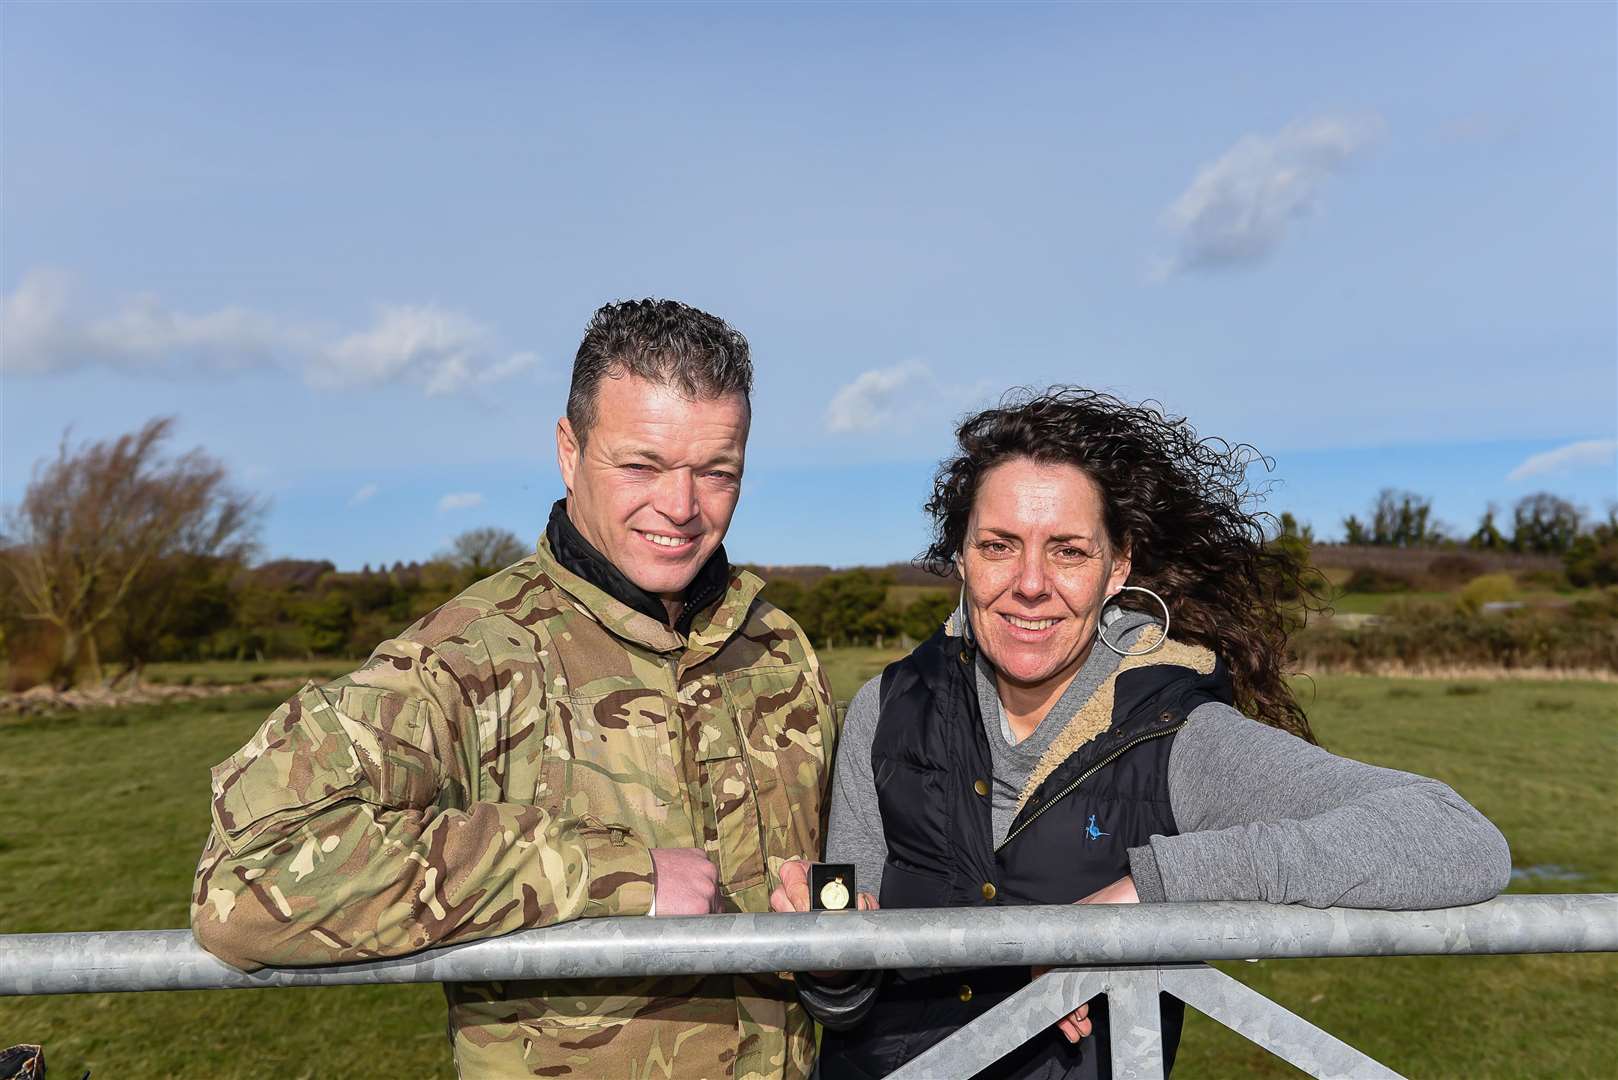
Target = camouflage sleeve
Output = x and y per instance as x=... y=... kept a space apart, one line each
x=342 y=831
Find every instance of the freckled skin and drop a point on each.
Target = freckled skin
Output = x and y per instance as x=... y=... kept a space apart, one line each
x=1036 y=548
x=655 y=462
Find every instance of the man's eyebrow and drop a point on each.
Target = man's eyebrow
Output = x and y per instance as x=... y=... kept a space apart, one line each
x=648 y=454
x=641 y=452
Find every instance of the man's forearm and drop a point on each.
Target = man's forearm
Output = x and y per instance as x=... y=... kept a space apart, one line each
x=357 y=881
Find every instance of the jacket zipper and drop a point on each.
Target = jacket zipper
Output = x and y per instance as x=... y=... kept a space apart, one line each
x=1091 y=771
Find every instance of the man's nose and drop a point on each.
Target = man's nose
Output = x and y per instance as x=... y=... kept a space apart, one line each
x=676 y=496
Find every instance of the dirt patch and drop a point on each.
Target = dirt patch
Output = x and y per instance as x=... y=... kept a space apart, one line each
x=42 y=699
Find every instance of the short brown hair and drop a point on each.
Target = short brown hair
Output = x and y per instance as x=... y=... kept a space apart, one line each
x=663 y=341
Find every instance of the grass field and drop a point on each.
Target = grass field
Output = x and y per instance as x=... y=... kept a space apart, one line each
x=104 y=813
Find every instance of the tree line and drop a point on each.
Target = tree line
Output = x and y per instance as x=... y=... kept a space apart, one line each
x=1541 y=524
x=121 y=554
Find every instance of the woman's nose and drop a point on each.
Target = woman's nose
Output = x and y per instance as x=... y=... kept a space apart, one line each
x=1031 y=577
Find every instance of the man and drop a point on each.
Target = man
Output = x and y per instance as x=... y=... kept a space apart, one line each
x=615 y=725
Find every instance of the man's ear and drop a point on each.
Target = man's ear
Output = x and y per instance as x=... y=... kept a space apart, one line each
x=567 y=452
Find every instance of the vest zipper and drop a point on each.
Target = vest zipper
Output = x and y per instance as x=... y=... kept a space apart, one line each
x=1091 y=771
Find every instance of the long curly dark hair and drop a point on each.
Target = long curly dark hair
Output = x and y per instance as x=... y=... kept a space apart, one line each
x=1178 y=503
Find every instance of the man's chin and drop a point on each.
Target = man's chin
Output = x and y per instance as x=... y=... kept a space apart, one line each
x=665 y=582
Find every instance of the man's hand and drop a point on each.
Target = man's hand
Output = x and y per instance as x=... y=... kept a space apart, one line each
x=793 y=892
x=1077 y=1024
x=685 y=882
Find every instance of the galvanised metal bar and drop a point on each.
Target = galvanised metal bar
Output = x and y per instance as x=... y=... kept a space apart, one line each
x=1008 y=1025
x=1135 y=1017
x=1280 y=1031
x=1054 y=936
x=1135 y=1020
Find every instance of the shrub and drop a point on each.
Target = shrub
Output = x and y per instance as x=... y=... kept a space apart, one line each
x=1582 y=635
x=1554 y=580
x=1593 y=558
x=1369 y=579
x=1490 y=588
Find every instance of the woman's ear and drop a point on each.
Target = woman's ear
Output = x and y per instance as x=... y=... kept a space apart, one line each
x=1121 y=566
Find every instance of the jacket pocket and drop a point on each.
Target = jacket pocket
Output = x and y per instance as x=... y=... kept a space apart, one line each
x=731 y=829
x=310 y=755
x=610 y=755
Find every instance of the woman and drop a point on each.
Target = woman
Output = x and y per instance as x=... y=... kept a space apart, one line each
x=1106 y=719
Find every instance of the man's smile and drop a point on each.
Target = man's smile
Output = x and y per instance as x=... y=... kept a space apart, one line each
x=668 y=541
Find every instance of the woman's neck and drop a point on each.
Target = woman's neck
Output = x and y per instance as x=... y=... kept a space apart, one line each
x=1024 y=705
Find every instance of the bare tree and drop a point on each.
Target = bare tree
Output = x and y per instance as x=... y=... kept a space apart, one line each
x=480 y=552
x=97 y=522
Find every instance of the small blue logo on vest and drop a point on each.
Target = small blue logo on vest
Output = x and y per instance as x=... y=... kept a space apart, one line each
x=1093 y=833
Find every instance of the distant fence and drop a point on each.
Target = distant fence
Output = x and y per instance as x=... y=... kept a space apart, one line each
x=1130 y=953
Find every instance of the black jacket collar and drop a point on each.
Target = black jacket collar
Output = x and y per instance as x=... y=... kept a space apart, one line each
x=576 y=553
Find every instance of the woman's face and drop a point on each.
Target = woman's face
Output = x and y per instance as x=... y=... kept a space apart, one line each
x=1038 y=568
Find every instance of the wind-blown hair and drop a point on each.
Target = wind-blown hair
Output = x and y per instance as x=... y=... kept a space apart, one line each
x=662 y=341
x=1178 y=503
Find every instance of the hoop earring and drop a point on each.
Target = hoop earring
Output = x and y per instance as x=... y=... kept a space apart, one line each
x=966 y=620
x=1158 y=644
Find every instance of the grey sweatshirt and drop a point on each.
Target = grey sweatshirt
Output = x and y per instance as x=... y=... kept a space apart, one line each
x=1262 y=815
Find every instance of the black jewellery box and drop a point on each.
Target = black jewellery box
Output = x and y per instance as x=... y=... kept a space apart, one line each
x=831 y=887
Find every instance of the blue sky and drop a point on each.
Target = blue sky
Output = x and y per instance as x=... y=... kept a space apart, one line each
x=352 y=248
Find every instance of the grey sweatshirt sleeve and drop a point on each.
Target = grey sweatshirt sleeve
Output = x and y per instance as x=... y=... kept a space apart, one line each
x=1264 y=815
x=854 y=835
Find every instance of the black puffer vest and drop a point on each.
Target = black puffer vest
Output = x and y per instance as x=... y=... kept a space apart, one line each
x=1102 y=789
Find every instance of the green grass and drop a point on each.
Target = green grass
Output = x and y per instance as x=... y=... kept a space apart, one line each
x=236 y=672
x=1541 y=760
x=104 y=813
x=1382 y=603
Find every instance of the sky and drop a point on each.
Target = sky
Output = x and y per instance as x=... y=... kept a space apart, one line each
x=352 y=248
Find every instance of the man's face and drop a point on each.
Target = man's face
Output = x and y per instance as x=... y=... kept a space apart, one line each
x=656 y=482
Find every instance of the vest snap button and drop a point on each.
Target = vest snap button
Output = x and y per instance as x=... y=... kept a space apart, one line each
x=966 y=992
x=980 y=786
x=988 y=890
x=964 y=657
x=1166 y=717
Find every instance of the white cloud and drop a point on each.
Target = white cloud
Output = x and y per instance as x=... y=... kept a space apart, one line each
x=460 y=500
x=41 y=333
x=366 y=493
x=444 y=351
x=1571 y=456
x=441 y=350
x=1238 y=208
x=877 y=398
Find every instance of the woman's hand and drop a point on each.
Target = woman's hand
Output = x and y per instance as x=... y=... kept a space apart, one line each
x=793 y=895
x=793 y=892
x=1077 y=1024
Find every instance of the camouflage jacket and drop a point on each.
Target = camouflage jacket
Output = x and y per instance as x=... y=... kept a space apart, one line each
x=508 y=762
